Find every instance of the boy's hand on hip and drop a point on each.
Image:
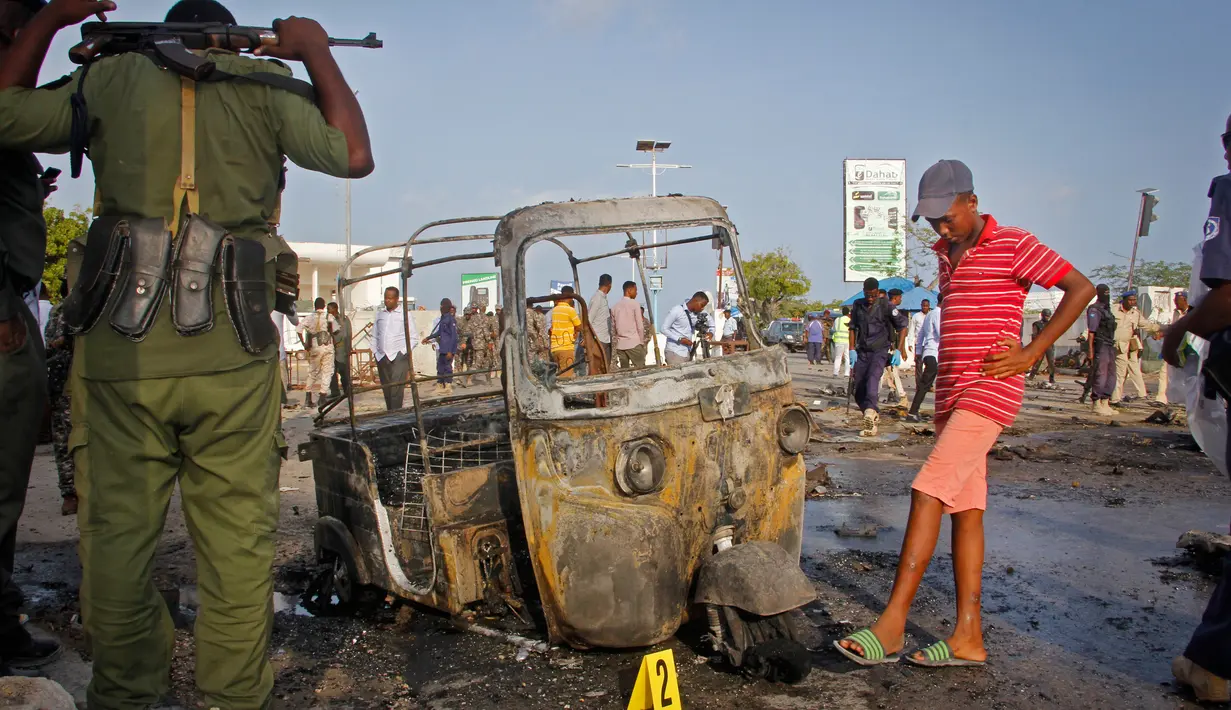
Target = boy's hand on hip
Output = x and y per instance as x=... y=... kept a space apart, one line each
x=1012 y=360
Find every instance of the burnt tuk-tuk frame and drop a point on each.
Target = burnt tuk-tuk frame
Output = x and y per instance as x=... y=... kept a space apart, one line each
x=639 y=494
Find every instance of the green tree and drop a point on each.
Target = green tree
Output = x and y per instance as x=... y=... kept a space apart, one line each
x=920 y=259
x=796 y=307
x=62 y=228
x=773 y=277
x=1172 y=274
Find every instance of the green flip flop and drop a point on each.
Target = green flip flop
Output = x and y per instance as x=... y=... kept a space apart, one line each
x=873 y=651
x=939 y=655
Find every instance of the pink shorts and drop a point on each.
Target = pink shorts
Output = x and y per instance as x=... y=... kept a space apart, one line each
x=956 y=470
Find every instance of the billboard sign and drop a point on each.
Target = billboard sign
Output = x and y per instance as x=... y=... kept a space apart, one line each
x=482 y=290
x=557 y=287
x=728 y=288
x=874 y=209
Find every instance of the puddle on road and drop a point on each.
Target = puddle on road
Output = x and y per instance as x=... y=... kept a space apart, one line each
x=1076 y=577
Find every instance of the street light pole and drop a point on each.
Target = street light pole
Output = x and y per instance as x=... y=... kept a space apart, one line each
x=1142 y=226
x=348 y=221
x=653 y=147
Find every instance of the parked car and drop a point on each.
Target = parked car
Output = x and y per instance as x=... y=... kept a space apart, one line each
x=787 y=332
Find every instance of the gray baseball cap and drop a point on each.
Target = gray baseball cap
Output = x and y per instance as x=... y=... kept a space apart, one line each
x=939 y=185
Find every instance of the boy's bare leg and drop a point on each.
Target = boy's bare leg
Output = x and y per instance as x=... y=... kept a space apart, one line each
x=922 y=531
x=967 y=639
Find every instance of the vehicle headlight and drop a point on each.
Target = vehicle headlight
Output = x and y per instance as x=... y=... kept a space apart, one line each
x=789 y=337
x=641 y=467
x=794 y=430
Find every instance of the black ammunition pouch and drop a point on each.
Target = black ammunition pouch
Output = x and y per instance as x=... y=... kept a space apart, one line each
x=1217 y=367
x=286 y=281
x=196 y=257
x=105 y=249
x=144 y=278
x=243 y=282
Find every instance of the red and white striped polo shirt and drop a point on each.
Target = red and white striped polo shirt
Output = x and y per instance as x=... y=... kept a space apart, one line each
x=983 y=300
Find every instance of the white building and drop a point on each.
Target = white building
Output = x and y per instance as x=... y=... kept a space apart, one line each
x=319 y=264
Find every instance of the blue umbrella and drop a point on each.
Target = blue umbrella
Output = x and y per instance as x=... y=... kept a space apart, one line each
x=905 y=285
x=913 y=300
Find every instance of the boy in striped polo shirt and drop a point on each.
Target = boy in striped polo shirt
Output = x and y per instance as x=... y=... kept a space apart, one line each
x=986 y=269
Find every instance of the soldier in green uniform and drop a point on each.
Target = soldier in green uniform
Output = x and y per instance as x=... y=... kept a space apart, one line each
x=536 y=335
x=187 y=392
x=479 y=331
x=23 y=373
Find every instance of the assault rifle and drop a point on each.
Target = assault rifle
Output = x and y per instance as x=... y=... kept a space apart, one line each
x=170 y=43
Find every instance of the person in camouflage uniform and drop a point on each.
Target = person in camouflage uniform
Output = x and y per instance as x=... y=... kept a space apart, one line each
x=478 y=331
x=536 y=335
x=59 y=364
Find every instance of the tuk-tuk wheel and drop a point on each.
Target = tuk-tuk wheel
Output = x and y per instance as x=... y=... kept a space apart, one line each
x=768 y=647
x=335 y=591
x=342 y=582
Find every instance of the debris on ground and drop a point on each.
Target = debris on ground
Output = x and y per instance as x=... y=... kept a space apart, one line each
x=848 y=530
x=1207 y=547
x=1001 y=453
x=818 y=475
x=40 y=693
x=1161 y=416
x=818 y=492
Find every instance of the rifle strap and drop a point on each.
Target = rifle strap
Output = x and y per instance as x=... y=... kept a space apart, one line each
x=79 y=136
x=186 y=184
x=277 y=81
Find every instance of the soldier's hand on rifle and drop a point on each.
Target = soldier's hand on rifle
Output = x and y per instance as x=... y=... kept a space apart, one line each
x=298 y=37
x=66 y=13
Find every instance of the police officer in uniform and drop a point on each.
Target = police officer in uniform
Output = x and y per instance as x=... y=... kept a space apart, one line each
x=1101 y=322
x=23 y=372
x=874 y=323
x=1206 y=663
x=186 y=392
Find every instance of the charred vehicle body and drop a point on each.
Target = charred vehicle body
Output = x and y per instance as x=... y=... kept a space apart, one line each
x=606 y=507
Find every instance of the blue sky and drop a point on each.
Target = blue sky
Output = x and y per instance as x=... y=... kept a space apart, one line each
x=1061 y=109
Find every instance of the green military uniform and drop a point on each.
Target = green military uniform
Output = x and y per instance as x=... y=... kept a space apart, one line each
x=199 y=410
x=23 y=373
x=536 y=336
x=479 y=331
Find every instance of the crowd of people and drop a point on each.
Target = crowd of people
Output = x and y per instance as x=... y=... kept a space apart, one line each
x=467 y=349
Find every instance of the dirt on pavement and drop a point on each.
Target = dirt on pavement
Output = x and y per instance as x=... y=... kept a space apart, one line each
x=1086 y=599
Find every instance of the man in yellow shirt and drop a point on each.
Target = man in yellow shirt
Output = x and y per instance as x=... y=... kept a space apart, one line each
x=565 y=324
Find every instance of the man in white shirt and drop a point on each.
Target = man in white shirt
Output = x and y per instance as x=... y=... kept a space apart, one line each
x=680 y=328
x=390 y=349
x=600 y=316
x=927 y=349
x=916 y=324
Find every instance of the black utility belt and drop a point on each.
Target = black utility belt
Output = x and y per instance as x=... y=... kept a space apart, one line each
x=130 y=264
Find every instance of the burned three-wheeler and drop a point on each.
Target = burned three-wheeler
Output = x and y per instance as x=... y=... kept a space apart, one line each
x=606 y=507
